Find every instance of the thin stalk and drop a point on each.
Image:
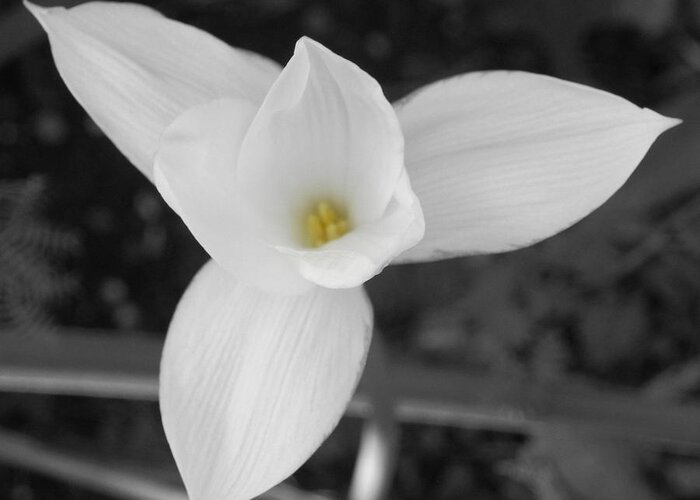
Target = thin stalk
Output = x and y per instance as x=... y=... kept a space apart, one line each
x=25 y=453
x=113 y=479
x=379 y=449
x=90 y=363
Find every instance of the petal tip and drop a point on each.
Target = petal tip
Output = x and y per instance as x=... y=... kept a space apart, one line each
x=664 y=122
x=302 y=44
x=40 y=13
x=305 y=41
x=669 y=122
x=308 y=45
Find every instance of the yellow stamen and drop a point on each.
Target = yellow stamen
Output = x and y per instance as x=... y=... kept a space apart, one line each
x=314 y=228
x=342 y=226
x=325 y=223
x=326 y=212
x=332 y=232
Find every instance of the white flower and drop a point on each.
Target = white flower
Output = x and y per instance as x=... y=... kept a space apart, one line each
x=298 y=184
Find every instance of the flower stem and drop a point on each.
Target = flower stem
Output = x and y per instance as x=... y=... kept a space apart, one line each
x=376 y=459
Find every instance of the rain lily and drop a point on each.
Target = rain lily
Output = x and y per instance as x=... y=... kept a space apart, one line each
x=302 y=183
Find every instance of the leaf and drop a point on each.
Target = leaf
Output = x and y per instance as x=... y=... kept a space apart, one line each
x=590 y=468
x=676 y=383
x=613 y=330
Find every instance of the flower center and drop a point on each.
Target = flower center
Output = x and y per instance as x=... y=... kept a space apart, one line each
x=325 y=222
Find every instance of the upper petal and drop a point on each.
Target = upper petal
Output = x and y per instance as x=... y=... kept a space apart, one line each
x=500 y=160
x=194 y=170
x=250 y=220
x=252 y=383
x=134 y=71
x=325 y=130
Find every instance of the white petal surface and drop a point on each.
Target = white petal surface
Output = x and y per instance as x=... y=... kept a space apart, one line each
x=252 y=383
x=195 y=169
x=134 y=70
x=324 y=131
x=500 y=160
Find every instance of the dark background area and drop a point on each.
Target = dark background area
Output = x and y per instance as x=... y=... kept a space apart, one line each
x=614 y=301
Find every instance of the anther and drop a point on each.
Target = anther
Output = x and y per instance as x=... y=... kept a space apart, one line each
x=325 y=223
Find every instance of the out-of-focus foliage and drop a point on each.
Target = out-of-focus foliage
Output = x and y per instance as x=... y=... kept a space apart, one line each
x=30 y=247
x=563 y=465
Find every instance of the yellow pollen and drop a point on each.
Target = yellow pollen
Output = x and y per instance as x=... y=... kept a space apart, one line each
x=325 y=223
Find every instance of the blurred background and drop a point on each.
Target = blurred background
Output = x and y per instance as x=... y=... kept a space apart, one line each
x=577 y=360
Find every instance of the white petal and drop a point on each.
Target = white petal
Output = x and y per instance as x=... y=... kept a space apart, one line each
x=134 y=71
x=252 y=383
x=325 y=130
x=195 y=169
x=500 y=160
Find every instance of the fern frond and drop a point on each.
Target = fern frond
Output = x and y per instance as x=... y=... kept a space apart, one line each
x=30 y=281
